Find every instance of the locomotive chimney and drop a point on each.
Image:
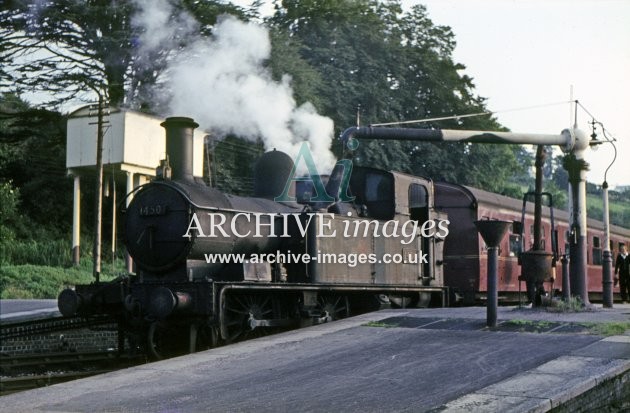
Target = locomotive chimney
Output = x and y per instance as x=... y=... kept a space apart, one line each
x=179 y=146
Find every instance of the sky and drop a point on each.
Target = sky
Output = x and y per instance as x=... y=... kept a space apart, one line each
x=533 y=53
x=526 y=53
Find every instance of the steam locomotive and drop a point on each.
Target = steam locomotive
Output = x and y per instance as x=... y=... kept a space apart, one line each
x=213 y=268
x=218 y=267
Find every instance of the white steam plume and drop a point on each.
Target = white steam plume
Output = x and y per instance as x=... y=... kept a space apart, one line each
x=223 y=84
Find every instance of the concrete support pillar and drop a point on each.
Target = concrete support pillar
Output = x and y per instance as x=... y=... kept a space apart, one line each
x=566 y=283
x=76 y=222
x=577 y=242
x=576 y=166
x=130 y=187
x=113 y=194
x=579 y=251
x=139 y=180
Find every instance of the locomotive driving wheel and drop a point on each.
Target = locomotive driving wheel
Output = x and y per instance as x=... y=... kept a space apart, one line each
x=163 y=340
x=333 y=306
x=404 y=300
x=241 y=313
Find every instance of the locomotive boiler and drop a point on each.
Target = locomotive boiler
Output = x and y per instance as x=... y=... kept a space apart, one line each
x=214 y=267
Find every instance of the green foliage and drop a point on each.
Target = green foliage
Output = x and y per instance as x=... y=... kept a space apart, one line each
x=9 y=216
x=380 y=324
x=530 y=326
x=619 y=210
x=608 y=329
x=396 y=66
x=32 y=158
x=69 y=48
x=231 y=162
x=51 y=252
x=306 y=81
x=573 y=305
x=38 y=281
x=602 y=329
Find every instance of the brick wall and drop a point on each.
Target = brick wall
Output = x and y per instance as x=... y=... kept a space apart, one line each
x=73 y=340
x=612 y=395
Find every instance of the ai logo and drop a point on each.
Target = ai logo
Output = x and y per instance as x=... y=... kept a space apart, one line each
x=340 y=176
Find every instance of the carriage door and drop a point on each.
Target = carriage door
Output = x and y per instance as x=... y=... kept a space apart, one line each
x=419 y=211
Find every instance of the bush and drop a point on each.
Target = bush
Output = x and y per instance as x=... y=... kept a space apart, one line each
x=54 y=253
x=35 y=281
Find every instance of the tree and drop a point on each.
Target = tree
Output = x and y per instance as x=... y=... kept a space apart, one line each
x=65 y=48
x=32 y=159
x=397 y=66
x=72 y=49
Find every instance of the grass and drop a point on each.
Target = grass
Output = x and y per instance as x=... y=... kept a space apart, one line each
x=380 y=324
x=53 y=253
x=42 y=268
x=574 y=305
x=27 y=281
x=612 y=328
x=529 y=325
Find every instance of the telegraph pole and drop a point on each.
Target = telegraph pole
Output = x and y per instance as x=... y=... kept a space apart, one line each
x=98 y=202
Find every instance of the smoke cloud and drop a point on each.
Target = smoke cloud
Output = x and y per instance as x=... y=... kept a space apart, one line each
x=223 y=84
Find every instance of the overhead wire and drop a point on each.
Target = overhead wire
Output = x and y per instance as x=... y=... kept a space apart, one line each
x=469 y=115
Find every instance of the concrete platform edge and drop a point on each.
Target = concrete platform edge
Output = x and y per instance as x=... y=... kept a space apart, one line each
x=499 y=397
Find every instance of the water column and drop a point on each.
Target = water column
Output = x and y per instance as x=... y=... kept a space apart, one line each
x=492 y=232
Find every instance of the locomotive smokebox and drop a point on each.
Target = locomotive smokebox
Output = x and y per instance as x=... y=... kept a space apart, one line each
x=179 y=146
x=271 y=174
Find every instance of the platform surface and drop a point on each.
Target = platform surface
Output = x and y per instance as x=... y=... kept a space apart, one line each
x=393 y=360
x=22 y=310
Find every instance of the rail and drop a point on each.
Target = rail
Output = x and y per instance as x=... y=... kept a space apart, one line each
x=23 y=372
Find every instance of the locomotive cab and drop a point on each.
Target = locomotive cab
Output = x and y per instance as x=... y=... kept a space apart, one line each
x=394 y=229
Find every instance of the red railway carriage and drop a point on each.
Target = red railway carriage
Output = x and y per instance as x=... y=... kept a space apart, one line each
x=465 y=254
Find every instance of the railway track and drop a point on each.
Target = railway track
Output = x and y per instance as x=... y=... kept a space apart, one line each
x=23 y=372
x=10 y=385
x=39 y=367
x=11 y=330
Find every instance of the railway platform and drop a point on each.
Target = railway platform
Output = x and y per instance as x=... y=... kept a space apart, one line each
x=393 y=360
x=23 y=310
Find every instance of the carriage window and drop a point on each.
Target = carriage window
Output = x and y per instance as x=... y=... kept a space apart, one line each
x=597 y=251
x=515 y=245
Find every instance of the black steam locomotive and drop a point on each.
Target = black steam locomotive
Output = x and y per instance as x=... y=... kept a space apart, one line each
x=212 y=267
